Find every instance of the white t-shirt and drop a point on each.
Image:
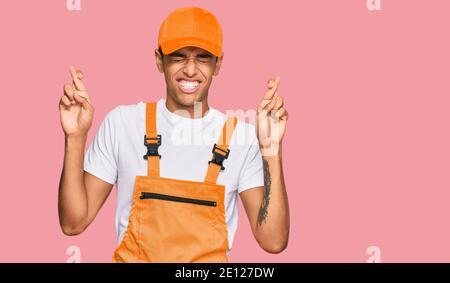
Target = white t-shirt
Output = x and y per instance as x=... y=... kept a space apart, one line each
x=116 y=155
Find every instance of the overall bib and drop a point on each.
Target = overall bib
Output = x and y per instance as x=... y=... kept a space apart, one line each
x=177 y=220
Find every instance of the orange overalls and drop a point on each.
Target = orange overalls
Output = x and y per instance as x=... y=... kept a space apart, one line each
x=177 y=220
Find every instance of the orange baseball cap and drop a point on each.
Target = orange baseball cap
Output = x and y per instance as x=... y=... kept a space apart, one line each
x=190 y=26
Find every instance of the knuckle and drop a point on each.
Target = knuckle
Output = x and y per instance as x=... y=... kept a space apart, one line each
x=68 y=90
x=64 y=101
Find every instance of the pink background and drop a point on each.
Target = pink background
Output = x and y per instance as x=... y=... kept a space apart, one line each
x=366 y=155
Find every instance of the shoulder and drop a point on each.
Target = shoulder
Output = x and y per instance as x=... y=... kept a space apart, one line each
x=244 y=133
x=125 y=112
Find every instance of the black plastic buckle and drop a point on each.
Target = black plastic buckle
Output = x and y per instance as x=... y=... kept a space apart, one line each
x=152 y=148
x=219 y=158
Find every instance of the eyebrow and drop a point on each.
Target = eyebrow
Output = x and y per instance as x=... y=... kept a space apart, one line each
x=179 y=54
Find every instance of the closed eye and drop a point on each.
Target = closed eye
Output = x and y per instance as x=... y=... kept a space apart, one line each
x=206 y=56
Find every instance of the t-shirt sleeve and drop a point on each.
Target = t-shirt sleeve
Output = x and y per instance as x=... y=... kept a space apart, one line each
x=252 y=174
x=100 y=158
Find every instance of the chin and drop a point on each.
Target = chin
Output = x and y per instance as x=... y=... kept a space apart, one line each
x=188 y=99
x=185 y=100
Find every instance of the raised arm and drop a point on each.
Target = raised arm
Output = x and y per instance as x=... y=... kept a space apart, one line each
x=81 y=194
x=267 y=207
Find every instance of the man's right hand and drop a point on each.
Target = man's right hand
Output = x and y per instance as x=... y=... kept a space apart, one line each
x=75 y=107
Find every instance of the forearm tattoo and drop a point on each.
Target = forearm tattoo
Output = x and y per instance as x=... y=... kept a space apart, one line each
x=262 y=215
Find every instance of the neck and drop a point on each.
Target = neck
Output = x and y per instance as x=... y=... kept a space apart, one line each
x=195 y=111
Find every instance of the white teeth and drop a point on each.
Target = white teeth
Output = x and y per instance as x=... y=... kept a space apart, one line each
x=188 y=85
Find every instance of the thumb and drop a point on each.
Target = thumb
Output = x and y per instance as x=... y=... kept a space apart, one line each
x=83 y=101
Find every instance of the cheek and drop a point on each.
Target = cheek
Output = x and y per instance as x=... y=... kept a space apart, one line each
x=208 y=75
x=169 y=77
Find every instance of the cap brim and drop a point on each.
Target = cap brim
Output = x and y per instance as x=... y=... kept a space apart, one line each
x=173 y=45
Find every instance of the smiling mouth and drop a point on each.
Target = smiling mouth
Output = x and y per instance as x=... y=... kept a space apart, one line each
x=188 y=86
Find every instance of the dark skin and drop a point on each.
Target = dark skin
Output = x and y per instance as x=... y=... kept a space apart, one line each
x=267 y=206
x=207 y=67
x=81 y=195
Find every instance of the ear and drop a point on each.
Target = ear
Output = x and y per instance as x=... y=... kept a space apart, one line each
x=159 y=61
x=218 y=64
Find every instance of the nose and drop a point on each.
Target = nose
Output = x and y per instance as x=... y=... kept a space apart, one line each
x=190 y=68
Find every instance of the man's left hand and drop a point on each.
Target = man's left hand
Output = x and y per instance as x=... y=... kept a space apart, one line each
x=271 y=119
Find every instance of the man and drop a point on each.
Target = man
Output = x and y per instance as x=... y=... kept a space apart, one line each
x=251 y=169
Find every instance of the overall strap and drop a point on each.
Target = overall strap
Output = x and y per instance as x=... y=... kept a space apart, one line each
x=152 y=140
x=220 y=151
